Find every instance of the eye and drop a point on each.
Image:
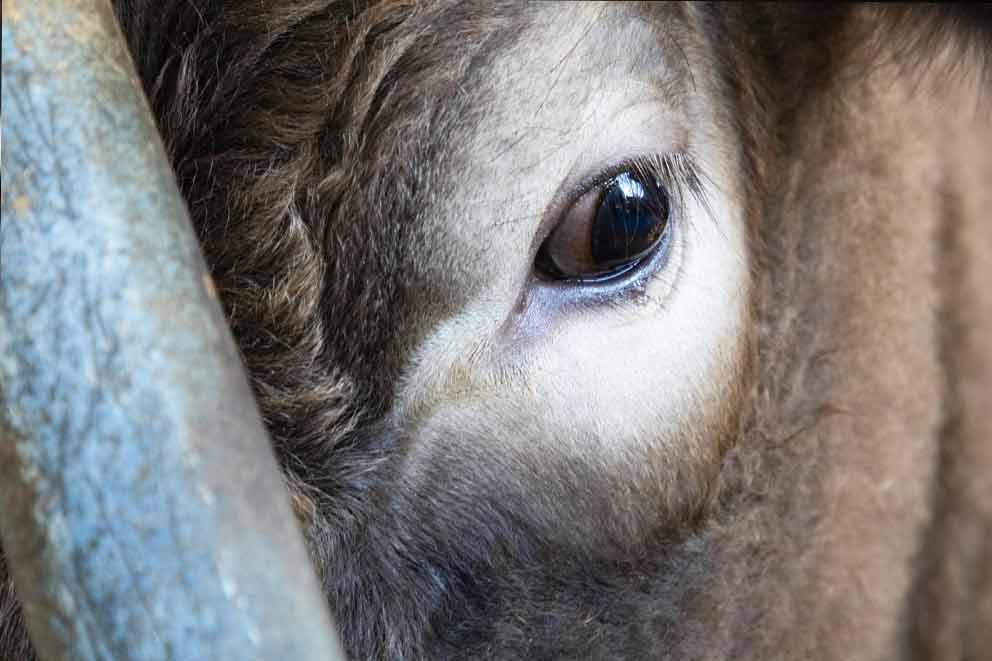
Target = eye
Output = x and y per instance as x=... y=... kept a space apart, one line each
x=608 y=231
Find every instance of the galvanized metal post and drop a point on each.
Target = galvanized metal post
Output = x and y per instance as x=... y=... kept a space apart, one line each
x=141 y=507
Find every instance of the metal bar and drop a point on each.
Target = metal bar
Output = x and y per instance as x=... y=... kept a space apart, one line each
x=141 y=508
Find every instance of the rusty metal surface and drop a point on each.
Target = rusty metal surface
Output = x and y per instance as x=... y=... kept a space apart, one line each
x=141 y=508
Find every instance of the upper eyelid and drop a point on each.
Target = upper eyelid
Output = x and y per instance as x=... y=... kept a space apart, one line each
x=676 y=171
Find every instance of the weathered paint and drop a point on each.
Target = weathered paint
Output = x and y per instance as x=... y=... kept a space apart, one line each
x=141 y=508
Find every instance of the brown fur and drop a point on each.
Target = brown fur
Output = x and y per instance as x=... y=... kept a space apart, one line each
x=852 y=517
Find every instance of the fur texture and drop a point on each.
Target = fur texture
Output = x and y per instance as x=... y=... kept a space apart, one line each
x=850 y=517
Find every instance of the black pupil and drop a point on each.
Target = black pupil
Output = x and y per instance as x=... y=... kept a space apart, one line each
x=631 y=218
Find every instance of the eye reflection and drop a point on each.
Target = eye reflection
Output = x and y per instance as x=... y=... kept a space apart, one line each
x=606 y=235
x=628 y=223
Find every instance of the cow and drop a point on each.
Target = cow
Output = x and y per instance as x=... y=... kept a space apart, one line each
x=605 y=330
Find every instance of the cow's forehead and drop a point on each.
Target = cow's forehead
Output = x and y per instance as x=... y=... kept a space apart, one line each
x=582 y=87
x=479 y=120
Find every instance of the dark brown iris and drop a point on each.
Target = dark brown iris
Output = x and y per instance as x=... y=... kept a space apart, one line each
x=607 y=232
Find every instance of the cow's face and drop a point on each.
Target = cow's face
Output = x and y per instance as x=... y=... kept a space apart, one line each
x=583 y=277
x=500 y=421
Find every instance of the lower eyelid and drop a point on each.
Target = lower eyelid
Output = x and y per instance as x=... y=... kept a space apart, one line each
x=542 y=306
x=665 y=261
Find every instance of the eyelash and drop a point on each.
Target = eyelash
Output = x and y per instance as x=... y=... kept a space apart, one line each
x=677 y=173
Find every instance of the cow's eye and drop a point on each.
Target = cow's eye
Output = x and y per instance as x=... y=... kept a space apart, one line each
x=608 y=231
